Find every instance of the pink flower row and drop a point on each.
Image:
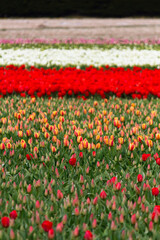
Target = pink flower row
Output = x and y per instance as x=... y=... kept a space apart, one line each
x=79 y=41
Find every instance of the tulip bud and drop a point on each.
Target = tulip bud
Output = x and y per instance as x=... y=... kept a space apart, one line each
x=143 y=208
x=110 y=216
x=81 y=179
x=29 y=188
x=37 y=217
x=87 y=170
x=92 y=183
x=114 y=206
x=103 y=195
x=139 y=200
x=51 y=234
x=37 y=204
x=46 y=192
x=113 y=226
x=94 y=223
x=95 y=200
x=151 y=226
x=59 y=227
x=102 y=216
x=76 y=211
x=12 y=235
x=59 y=194
x=136 y=226
x=154 y=182
x=143 y=199
x=147 y=209
x=24 y=199
x=30 y=230
x=121 y=218
x=133 y=219
x=156 y=218
x=88 y=201
x=64 y=220
x=107 y=166
x=76 y=232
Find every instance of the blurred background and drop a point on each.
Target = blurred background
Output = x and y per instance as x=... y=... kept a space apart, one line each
x=63 y=19
x=73 y=8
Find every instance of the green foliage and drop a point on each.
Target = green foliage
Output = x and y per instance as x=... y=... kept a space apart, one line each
x=44 y=46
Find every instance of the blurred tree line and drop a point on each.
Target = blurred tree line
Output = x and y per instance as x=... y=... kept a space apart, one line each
x=76 y=8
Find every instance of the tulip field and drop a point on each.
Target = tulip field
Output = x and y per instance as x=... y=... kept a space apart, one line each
x=79 y=140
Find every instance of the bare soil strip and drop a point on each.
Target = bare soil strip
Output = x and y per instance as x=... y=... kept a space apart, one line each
x=88 y=28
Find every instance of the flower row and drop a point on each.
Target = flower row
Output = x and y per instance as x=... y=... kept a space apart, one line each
x=68 y=46
x=79 y=169
x=79 y=41
x=79 y=57
x=136 y=82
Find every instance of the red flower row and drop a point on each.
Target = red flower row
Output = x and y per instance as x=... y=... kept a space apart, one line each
x=136 y=82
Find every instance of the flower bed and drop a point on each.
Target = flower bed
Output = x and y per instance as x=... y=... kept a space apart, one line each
x=72 y=168
x=79 y=56
x=85 y=164
x=136 y=82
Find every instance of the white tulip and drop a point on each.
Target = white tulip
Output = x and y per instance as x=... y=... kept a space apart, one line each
x=95 y=57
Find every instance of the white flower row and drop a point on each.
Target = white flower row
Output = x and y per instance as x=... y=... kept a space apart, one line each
x=78 y=57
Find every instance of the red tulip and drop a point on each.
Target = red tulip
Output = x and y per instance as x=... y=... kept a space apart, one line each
x=5 y=222
x=155 y=191
x=145 y=156
x=103 y=195
x=109 y=216
x=158 y=161
x=29 y=188
x=94 y=153
x=29 y=156
x=157 y=209
x=88 y=235
x=139 y=178
x=153 y=215
x=133 y=219
x=47 y=225
x=156 y=156
x=72 y=161
x=118 y=186
x=123 y=190
x=113 y=180
x=95 y=200
x=59 y=194
x=150 y=226
x=137 y=189
x=51 y=234
x=13 y=214
x=81 y=154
